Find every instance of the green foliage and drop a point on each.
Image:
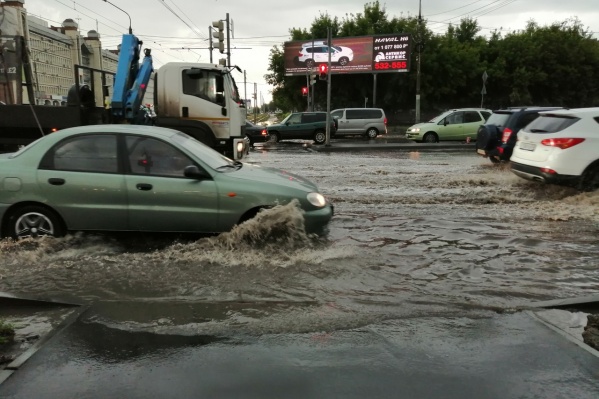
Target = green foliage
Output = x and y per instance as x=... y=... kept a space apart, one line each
x=556 y=64
x=7 y=332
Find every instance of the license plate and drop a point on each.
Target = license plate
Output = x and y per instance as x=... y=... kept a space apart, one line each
x=481 y=152
x=528 y=146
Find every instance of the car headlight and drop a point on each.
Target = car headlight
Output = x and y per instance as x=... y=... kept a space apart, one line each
x=414 y=130
x=317 y=199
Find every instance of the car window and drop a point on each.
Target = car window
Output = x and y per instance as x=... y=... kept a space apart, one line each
x=439 y=118
x=294 y=119
x=455 y=118
x=90 y=153
x=337 y=114
x=551 y=123
x=525 y=120
x=148 y=156
x=485 y=114
x=499 y=118
x=472 y=116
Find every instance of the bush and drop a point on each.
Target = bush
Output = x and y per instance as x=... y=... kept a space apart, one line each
x=7 y=332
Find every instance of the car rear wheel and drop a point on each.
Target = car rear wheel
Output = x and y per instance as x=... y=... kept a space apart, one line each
x=320 y=137
x=310 y=63
x=273 y=137
x=430 y=138
x=33 y=222
x=590 y=179
x=372 y=133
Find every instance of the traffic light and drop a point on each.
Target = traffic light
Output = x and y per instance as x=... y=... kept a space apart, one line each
x=304 y=91
x=323 y=69
x=312 y=79
x=219 y=34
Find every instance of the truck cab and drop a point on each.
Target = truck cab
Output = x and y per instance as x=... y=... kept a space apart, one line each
x=203 y=101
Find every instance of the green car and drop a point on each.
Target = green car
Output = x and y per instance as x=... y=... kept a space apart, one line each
x=140 y=178
x=456 y=124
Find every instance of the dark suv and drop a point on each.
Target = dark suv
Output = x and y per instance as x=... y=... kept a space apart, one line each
x=303 y=126
x=497 y=137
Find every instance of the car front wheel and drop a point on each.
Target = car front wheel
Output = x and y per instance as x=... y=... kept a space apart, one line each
x=372 y=133
x=320 y=137
x=273 y=137
x=430 y=138
x=33 y=222
x=343 y=61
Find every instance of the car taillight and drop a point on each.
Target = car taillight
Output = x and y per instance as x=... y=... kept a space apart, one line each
x=550 y=171
x=562 y=143
x=264 y=132
x=385 y=121
x=507 y=133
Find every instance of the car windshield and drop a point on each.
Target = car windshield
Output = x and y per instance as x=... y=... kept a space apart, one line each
x=438 y=118
x=498 y=118
x=209 y=156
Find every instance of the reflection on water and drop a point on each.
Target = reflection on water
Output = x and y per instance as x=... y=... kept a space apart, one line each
x=412 y=235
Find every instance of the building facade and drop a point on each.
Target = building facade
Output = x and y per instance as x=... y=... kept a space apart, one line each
x=54 y=53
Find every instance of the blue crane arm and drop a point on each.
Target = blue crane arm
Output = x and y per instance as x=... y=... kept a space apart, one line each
x=131 y=79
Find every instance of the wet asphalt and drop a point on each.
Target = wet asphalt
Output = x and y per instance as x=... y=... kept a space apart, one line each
x=492 y=355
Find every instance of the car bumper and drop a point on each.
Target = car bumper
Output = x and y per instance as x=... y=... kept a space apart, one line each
x=501 y=153
x=414 y=136
x=316 y=221
x=535 y=173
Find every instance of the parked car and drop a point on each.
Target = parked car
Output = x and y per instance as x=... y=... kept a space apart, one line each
x=303 y=126
x=319 y=53
x=255 y=133
x=496 y=138
x=368 y=122
x=140 y=178
x=455 y=124
x=560 y=147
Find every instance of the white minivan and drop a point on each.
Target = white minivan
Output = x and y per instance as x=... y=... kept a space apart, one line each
x=369 y=122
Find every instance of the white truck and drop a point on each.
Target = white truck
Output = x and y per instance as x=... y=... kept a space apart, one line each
x=201 y=100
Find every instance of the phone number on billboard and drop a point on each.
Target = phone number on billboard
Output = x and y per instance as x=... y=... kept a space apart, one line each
x=391 y=65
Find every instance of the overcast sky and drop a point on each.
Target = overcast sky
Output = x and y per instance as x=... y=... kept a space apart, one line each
x=177 y=30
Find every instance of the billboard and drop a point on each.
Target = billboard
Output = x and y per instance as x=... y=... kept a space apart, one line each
x=358 y=54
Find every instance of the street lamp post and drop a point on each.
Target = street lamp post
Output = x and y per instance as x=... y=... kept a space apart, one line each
x=130 y=30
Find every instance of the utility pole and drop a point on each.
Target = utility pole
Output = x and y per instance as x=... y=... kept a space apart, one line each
x=329 y=73
x=419 y=55
x=210 y=36
x=228 y=42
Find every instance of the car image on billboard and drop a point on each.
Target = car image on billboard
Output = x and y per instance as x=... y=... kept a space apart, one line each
x=360 y=54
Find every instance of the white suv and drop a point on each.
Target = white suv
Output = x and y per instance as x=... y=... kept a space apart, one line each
x=560 y=147
x=319 y=53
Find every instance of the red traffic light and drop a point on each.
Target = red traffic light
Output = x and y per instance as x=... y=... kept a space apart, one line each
x=304 y=91
x=323 y=68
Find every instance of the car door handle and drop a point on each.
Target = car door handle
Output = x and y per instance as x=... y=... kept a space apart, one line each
x=144 y=186
x=56 y=181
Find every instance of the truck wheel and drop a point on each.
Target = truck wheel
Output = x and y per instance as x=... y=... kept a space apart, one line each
x=372 y=133
x=273 y=137
x=34 y=221
x=320 y=137
x=430 y=138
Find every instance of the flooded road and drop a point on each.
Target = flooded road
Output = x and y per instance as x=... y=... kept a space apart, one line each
x=414 y=234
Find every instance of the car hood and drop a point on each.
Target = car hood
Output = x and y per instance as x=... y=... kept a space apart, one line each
x=422 y=124
x=275 y=176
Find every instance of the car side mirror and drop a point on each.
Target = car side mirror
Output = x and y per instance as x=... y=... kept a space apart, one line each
x=445 y=122
x=194 y=172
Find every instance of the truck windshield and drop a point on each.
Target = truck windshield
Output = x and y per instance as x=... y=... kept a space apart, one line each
x=235 y=91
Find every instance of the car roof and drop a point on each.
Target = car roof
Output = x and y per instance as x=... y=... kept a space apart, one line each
x=525 y=108
x=593 y=111
x=154 y=131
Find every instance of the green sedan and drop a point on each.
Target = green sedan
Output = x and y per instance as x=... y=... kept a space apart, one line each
x=140 y=178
